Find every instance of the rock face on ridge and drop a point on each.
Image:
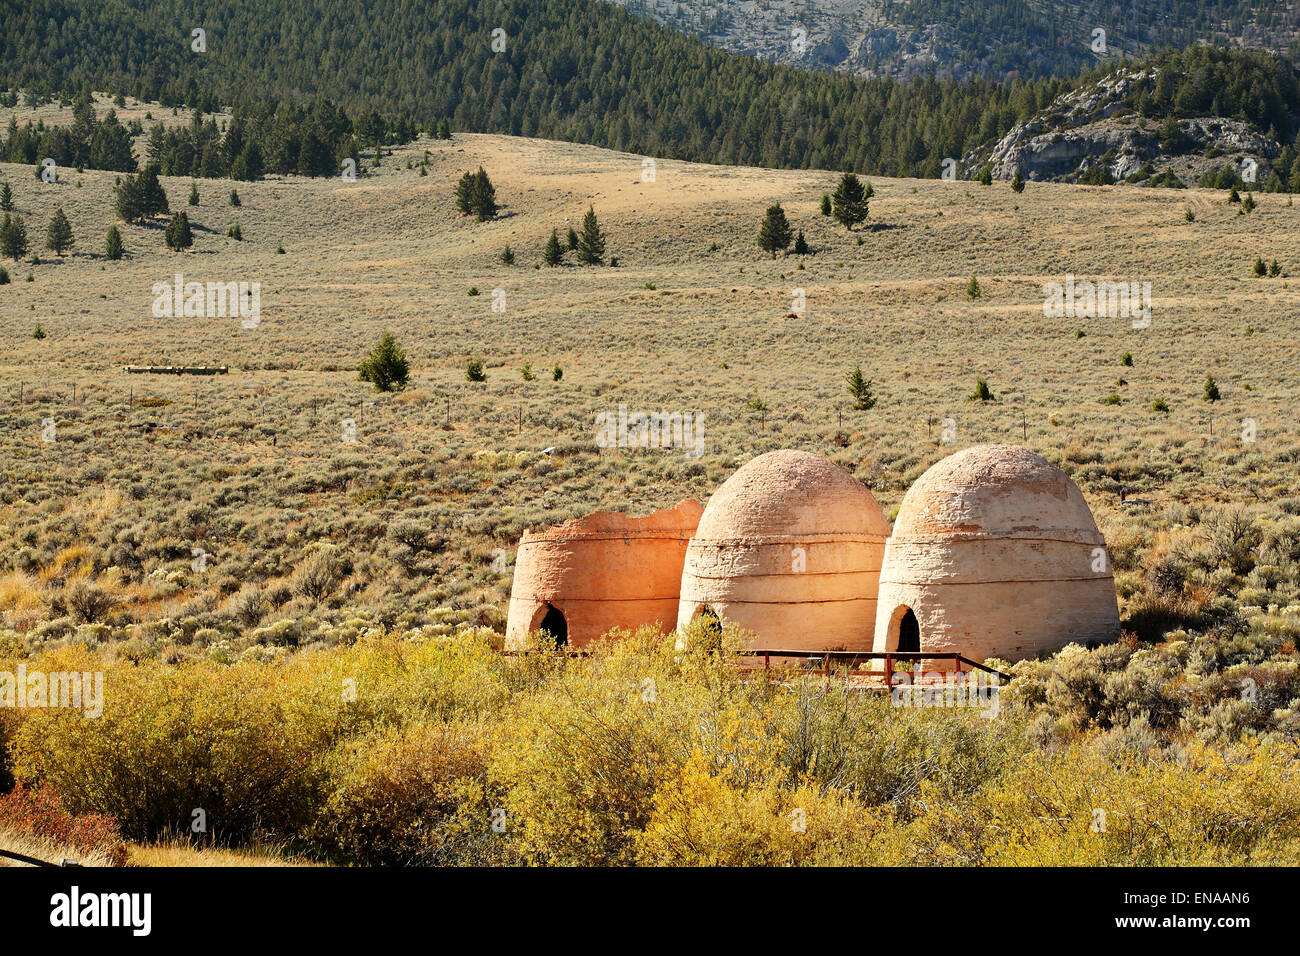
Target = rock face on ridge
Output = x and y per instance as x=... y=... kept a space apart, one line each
x=1094 y=135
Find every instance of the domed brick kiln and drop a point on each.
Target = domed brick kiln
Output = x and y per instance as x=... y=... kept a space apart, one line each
x=995 y=553
x=580 y=579
x=789 y=547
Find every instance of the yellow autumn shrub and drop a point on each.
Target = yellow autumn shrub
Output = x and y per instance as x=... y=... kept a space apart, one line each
x=410 y=796
x=702 y=818
x=582 y=756
x=1083 y=807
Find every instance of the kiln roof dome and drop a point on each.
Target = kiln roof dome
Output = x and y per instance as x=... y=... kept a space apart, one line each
x=1002 y=490
x=791 y=493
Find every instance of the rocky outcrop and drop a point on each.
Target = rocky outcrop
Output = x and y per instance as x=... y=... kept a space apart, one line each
x=906 y=40
x=1095 y=126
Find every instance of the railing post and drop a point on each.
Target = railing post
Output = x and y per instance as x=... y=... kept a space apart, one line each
x=889 y=670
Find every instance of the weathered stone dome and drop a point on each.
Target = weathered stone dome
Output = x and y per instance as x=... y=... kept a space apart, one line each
x=996 y=554
x=791 y=493
x=580 y=579
x=790 y=548
x=994 y=490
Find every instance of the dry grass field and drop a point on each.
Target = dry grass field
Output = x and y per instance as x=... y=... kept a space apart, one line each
x=253 y=462
x=308 y=541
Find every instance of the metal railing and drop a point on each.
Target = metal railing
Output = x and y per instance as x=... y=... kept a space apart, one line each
x=33 y=861
x=889 y=657
x=826 y=657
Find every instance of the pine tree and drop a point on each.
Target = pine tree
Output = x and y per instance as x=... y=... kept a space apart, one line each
x=153 y=198
x=973 y=290
x=444 y=130
x=553 y=254
x=194 y=194
x=1171 y=135
x=483 y=197
x=314 y=156
x=6 y=197
x=178 y=235
x=126 y=200
x=13 y=237
x=591 y=244
x=507 y=256
x=573 y=239
x=386 y=368
x=113 y=244
x=1018 y=183
x=1234 y=196
x=248 y=165
x=800 y=244
x=464 y=189
x=1211 y=392
x=775 y=233
x=849 y=204
x=860 y=388
x=234 y=198
x=985 y=178
x=58 y=235
x=1261 y=269
x=826 y=204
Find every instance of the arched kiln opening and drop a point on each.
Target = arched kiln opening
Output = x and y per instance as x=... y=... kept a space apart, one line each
x=554 y=624
x=904 y=630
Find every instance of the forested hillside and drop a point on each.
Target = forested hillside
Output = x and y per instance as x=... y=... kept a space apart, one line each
x=578 y=70
x=904 y=38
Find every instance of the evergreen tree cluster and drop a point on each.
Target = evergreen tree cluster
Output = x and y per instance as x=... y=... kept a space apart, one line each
x=256 y=140
x=86 y=142
x=137 y=198
x=588 y=244
x=284 y=140
x=475 y=196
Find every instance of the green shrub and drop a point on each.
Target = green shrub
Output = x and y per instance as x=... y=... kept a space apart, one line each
x=414 y=796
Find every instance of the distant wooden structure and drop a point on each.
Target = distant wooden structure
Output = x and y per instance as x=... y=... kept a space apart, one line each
x=177 y=369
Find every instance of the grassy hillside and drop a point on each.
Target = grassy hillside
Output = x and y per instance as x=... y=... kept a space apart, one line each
x=218 y=548
x=693 y=318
